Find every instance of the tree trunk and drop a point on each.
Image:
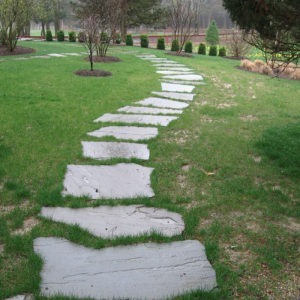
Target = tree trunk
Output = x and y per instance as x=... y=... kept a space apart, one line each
x=43 y=31
x=124 y=23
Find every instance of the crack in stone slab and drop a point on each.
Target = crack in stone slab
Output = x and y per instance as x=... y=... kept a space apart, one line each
x=165 y=103
x=119 y=181
x=141 y=119
x=110 y=222
x=144 y=271
x=108 y=150
x=126 y=132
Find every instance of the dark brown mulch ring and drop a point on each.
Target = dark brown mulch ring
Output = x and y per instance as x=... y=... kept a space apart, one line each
x=183 y=54
x=17 y=51
x=105 y=59
x=95 y=73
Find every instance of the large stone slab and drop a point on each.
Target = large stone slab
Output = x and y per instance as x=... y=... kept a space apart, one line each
x=188 y=77
x=141 y=119
x=56 y=55
x=108 y=182
x=176 y=96
x=174 y=69
x=126 y=132
x=111 y=222
x=168 y=64
x=183 y=82
x=171 y=87
x=149 y=110
x=145 y=271
x=160 y=102
x=168 y=72
x=108 y=150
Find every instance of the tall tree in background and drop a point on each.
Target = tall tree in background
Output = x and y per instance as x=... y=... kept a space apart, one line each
x=274 y=26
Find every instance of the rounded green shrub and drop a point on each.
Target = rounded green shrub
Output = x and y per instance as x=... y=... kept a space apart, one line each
x=161 y=44
x=60 y=35
x=202 y=49
x=175 y=46
x=188 y=47
x=49 y=37
x=72 y=36
x=129 y=40
x=222 y=51
x=213 y=51
x=144 y=41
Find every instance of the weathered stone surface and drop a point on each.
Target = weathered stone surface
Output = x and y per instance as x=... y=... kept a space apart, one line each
x=110 y=182
x=141 y=119
x=174 y=69
x=183 y=82
x=146 y=271
x=149 y=110
x=126 y=132
x=71 y=54
x=168 y=72
x=56 y=55
x=176 y=96
x=167 y=64
x=160 y=102
x=22 y=297
x=188 y=77
x=108 y=150
x=110 y=222
x=170 y=87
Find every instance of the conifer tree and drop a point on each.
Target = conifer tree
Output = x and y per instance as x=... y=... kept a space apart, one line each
x=212 y=34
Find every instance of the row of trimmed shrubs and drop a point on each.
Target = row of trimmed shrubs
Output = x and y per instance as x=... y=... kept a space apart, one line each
x=60 y=36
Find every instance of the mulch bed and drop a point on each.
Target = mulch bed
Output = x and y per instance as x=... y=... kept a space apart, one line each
x=17 y=51
x=104 y=59
x=95 y=73
x=182 y=54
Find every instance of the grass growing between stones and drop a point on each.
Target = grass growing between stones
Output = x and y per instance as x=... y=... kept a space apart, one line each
x=229 y=165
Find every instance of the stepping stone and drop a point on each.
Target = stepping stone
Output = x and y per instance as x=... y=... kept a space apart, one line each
x=141 y=119
x=188 y=77
x=172 y=73
x=145 y=55
x=174 y=69
x=166 y=65
x=108 y=150
x=183 y=82
x=149 y=110
x=176 y=96
x=111 y=222
x=72 y=54
x=126 y=132
x=160 y=102
x=170 y=87
x=108 y=182
x=56 y=55
x=144 y=271
x=40 y=56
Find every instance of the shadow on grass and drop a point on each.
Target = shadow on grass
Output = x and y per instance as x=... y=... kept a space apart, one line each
x=282 y=145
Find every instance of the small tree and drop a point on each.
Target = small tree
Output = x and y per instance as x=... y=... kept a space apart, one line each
x=161 y=44
x=202 y=49
x=188 y=47
x=212 y=34
x=144 y=41
x=236 y=44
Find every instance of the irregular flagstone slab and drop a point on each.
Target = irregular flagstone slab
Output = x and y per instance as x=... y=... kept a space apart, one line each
x=145 y=55
x=170 y=87
x=176 y=96
x=56 y=55
x=145 y=271
x=159 y=65
x=174 y=69
x=108 y=150
x=160 y=102
x=126 y=132
x=187 y=77
x=110 y=222
x=110 y=182
x=40 y=56
x=172 y=73
x=149 y=110
x=22 y=297
x=72 y=54
x=141 y=119
x=183 y=82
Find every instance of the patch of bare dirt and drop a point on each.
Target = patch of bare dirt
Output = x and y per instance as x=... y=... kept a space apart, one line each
x=186 y=167
x=225 y=105
x=95 y=73
x=290 y=224
x=17 y=51
x=181 y=179
x=6 y=209
x=28 y=225
x=104 y=59
x=249 y=118
x=1 y=248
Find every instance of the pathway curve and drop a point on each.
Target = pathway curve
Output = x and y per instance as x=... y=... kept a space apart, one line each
x=142 y=271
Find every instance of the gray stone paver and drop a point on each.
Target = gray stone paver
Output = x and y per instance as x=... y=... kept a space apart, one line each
x=176 y=96
x=174 y=69
x=141 y=119
x=116 y=221
x=119 y=181
x=109 y=150
x=160 y=102
x=144 y=271
x=173 y=73
x=171 y=87
x=188 y=77
x=149 y=110
x=126 y=132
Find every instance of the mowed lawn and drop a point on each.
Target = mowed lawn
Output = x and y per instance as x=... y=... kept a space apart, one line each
x=230 y=165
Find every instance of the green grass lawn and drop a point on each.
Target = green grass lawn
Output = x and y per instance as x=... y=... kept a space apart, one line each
x=230 y=165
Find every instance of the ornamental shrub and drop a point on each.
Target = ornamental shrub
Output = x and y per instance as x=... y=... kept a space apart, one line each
x=161 y=44
x=175 y=46
x=222 y=51
x=60 y=35
x=72 y=36
x=49 y=37
x=188 y=47
x=144 y=41
x=213 y=51
x=202 y=49
x=81 y=37
x=212 y=34
x=129 y=40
